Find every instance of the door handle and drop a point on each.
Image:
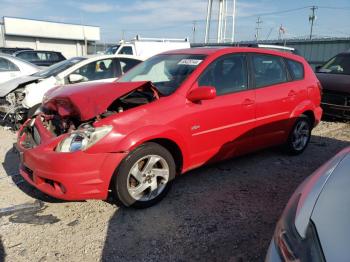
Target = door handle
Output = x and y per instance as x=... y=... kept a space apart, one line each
x=292 y=93
x=248 y=102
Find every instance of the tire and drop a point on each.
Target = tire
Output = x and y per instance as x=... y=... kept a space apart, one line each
x=32 y=110
x=145 y=176
x=301 y=130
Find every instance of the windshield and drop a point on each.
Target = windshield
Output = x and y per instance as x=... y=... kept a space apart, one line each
x=166 y=72
x=111 y=50
x=339 y=64
x=55 y=69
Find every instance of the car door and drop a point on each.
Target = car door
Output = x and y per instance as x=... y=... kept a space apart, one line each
x=222 y=127
x=8 y=70
x=104 y=70
x=275 y=98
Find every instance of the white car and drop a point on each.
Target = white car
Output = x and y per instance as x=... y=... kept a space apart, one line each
x=21 y=97
x=12 y=67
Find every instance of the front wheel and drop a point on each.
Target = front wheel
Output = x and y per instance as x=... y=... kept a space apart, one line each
x=144 y=177
x=299 y=136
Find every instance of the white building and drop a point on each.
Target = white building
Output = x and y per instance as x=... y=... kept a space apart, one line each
x=70 y=39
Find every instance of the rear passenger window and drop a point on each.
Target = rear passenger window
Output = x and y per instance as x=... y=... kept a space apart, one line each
x=296 y=68
x=268 y=70
x=227 y=74
x=126 y=50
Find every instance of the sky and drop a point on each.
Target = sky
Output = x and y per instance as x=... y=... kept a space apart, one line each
x=174 y=19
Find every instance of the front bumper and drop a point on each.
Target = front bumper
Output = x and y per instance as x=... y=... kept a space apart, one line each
x=69 y=176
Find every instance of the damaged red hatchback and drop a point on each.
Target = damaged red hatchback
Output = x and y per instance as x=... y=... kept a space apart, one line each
x=172 y=113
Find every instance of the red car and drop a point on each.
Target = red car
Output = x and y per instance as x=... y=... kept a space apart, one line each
x=172 y=113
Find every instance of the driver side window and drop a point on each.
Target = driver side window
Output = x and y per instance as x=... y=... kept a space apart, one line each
x=227 y=74
x=98 y=70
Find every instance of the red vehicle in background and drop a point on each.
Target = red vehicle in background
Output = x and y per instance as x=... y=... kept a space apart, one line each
x=172 y=113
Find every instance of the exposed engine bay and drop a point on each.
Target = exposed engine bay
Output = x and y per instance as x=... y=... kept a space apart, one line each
x=58 y=123
x=12 y=111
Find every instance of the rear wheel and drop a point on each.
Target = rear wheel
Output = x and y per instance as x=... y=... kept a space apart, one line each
x=145 y=176
x=299 y=136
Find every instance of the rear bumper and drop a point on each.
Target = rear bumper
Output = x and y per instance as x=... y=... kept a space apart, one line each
x=68 y=176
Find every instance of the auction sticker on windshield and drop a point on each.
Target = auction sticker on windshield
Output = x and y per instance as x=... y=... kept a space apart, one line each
x=193 y=62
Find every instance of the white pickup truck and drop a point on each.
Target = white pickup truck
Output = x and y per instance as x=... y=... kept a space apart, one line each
x=147 y=47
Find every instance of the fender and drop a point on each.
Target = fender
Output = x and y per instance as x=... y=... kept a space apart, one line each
x=148 y=133
x=306 y=105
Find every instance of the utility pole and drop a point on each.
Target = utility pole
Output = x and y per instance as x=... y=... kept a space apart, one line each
x=258 y=23
x=312 y=18
x=194 y=29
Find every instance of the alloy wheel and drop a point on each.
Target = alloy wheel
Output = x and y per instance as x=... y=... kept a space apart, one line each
x=301 y=135
x=148 y=178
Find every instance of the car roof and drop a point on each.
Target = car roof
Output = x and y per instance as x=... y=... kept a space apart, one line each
x=24 y=51
x=101 y=56
x=211 y=50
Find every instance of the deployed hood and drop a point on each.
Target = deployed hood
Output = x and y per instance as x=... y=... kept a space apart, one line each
x=11 y=85
x=334 y=82
x=87 y=100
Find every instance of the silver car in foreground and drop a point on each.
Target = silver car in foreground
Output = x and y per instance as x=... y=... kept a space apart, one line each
x=315 y=225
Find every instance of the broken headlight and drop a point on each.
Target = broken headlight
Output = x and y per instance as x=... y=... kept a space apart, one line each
x=81 y=140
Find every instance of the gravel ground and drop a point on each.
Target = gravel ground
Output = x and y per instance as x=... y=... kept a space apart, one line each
x=222 y=212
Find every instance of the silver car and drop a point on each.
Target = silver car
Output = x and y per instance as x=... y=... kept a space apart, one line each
x=315 y=225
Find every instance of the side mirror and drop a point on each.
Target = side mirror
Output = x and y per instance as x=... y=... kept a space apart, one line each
x=75 y=78
x=317 y=68
x=202 y=93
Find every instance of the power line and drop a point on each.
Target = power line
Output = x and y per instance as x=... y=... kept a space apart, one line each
x=279 y=12
x=335 y=7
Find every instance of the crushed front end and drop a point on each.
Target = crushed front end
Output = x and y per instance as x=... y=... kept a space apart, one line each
x=75 y=175
x=69 y=150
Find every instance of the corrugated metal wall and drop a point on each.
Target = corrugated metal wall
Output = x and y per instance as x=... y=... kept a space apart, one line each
x=318 y=52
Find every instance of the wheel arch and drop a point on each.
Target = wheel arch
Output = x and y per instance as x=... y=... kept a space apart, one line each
x=168 y=143
x=305 y=108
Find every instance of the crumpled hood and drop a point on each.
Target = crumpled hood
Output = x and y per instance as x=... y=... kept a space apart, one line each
x=335 y=82
x=87 y=100
x=12 y=84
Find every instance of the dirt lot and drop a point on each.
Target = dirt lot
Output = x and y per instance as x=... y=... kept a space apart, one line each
x=224 y=212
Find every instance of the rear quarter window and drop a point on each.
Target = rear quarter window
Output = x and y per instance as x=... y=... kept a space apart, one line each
x=296 y=69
